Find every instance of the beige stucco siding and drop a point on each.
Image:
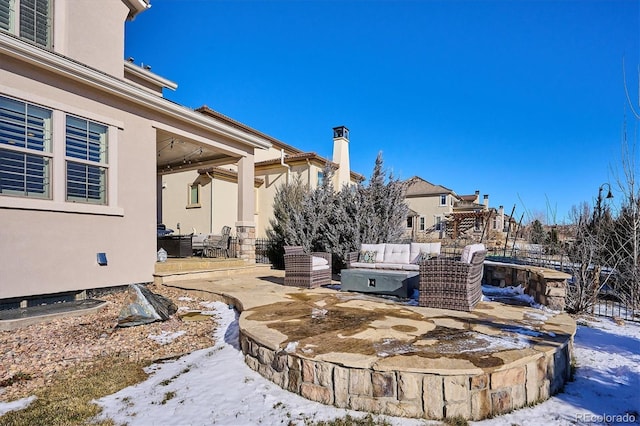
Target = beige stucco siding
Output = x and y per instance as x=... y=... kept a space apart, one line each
x=102 y=22
x=429 y=208
x=274 y=177
x=53 y=247
x=176 y=208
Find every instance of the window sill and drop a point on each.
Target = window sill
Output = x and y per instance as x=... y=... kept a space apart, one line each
x=193 y=206
x=48 y=205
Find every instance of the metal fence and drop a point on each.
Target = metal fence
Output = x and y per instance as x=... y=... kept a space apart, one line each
x=611 y=308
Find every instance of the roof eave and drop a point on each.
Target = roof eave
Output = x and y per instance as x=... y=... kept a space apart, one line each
x=61 y=65
x=136 y=7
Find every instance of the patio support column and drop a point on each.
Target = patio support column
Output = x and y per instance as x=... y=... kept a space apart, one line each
x=246 y=226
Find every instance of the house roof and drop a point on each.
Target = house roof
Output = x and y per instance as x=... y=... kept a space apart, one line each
x=204 y=109
x=471 y=198
x=136 y=7
x=225 y=174
x=303 y=157
x=416 y=186
x=124 y=89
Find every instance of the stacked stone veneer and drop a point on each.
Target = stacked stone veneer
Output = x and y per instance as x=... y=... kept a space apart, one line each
x=547 y=286
x=246 y=236
x=428 y=395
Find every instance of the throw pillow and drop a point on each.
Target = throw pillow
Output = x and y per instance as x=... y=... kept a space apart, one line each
x=367 y=256
x=422 y=257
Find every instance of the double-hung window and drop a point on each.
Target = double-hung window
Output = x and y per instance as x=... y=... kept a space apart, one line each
x=28 y=19
x=443 y=199
x=86 y=161
x=25 y=149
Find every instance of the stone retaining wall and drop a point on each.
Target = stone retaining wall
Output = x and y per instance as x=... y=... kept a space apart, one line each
x=415 y=394
x=547 y=286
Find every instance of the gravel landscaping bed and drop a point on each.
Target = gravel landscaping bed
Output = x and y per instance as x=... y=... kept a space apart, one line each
x=32 y=355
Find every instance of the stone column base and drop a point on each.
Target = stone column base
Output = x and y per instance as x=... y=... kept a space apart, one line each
x=246 y=235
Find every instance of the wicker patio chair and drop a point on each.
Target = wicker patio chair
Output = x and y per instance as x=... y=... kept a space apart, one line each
x=306 y=270
x=214 y=244
x=451 y=284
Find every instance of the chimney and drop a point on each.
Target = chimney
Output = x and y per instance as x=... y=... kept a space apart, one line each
x=501 y=210
x=485 y=201
x=341 y=156
x=477 y=199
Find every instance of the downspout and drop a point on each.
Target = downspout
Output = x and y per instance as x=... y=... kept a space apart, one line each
x=282 y=163
x=211 y=207
x=309 y=173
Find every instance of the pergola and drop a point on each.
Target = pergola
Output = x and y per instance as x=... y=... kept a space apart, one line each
x=458 y=220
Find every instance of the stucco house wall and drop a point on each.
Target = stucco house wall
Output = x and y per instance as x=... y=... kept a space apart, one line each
x=39 y=236
x=101 y=23
x=200 y=218
x=49 y=244
x=424 y=199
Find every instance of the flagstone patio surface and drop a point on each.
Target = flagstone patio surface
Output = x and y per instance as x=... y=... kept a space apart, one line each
x=387 y=356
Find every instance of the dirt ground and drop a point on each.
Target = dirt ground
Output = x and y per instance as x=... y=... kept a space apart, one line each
x=39 y=351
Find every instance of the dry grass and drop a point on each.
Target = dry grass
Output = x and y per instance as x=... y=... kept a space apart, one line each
x=368 y=420
x=67 y=400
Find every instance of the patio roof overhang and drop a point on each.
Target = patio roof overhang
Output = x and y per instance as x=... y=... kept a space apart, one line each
x=179 y=152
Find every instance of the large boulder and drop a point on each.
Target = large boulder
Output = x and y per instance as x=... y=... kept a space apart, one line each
x=145 y=307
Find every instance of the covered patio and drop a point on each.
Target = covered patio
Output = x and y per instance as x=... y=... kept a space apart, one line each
x=217 y=142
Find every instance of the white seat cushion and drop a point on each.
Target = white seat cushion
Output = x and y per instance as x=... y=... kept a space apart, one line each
x=319 y=261
x=363 y=265
x=394 y=266
x=467 y=252
x=411 y=267
x=319 y=267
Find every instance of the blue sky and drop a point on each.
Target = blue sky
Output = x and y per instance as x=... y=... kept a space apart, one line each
x=521 y=100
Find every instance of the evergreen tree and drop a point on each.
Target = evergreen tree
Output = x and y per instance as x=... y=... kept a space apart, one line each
x=288 y=227
x=537 y=233
x=383 y=211
x=323 y=220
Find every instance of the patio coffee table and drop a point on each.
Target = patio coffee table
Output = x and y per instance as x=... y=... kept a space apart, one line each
x=379 y=281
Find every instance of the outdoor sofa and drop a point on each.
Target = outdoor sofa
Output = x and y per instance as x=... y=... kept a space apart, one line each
x=403 y=257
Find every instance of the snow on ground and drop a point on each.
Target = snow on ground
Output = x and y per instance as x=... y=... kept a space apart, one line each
x=215 y=386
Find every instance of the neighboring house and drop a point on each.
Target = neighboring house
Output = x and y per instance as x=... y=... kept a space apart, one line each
x=437 y=212
x=85 y=138
x=203 y=200
x=429 y=206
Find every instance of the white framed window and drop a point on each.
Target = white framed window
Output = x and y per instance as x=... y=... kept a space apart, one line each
x=443 y=199
x=320 y=178
x=410 y=222
x=194 y=196
x=86 y=161
x=422 y=224
x=28 y=19
x=25 y=149
x=438 y=223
